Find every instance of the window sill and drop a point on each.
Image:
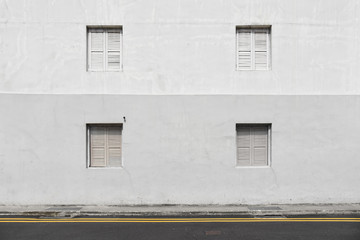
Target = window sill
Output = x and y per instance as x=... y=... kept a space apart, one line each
x=246 y=167
x=104 y=71
x=105 y=168
x=253 y=70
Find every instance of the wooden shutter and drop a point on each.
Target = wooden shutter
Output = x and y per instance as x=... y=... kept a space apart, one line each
x=260 y=49
x=97 y=147
x=253 y=48
x=252 y=144
x=243 y=146
x=259 y=138
x=114 y=146
x=113 y=49
x=96 y=53
x=244 y=49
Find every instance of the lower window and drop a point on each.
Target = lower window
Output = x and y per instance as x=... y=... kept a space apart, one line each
x=253 y=144
x=104 y=145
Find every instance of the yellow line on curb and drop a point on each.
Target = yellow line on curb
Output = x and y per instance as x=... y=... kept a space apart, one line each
x=173 y=220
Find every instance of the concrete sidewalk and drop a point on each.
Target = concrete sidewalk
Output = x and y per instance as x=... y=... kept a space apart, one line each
x=180 y=210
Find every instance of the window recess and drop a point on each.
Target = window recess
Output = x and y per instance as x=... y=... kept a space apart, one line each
x=104 y=145
x=104 y=49
x=253 y=48
x=253 y=144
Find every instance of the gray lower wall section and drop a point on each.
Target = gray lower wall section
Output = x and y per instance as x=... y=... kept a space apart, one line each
x=179 y=150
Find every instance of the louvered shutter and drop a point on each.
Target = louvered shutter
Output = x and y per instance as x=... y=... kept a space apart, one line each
x=244 y=49
x=243 y=146
x=114 y=146
x=96 y=53
x=261 y=49
x=97 y=147
x=259 y=138
x=113 y=49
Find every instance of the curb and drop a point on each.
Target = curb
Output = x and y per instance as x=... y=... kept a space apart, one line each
x=275 y=210
x=253 y=213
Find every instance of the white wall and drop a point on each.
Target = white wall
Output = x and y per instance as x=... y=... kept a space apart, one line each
x=180 y=47
x=182 y=98
x=179 y=150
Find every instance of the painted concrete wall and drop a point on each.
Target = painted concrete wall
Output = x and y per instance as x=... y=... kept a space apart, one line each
x=179 y=150
x=182 y=98
x=180 y=47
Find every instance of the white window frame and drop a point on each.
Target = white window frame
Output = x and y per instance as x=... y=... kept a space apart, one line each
x=253 y=29
x=88 y=145
x=106 y=30
x=269 y=143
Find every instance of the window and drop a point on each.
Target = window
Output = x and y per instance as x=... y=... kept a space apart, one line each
x=253 y=144
x=104 y=145
x=104 y=49
x=253 y=48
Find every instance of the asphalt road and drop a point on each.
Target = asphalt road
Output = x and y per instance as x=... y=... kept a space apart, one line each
x=170 y=229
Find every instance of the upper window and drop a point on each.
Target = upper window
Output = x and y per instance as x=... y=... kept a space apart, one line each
x=253 y=144
x=104 y=145
x=253 y=48
x=104 y=49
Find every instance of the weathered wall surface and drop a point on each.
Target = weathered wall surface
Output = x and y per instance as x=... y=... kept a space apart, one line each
x=182 y=97
x=179 y=150
x=180 y=46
